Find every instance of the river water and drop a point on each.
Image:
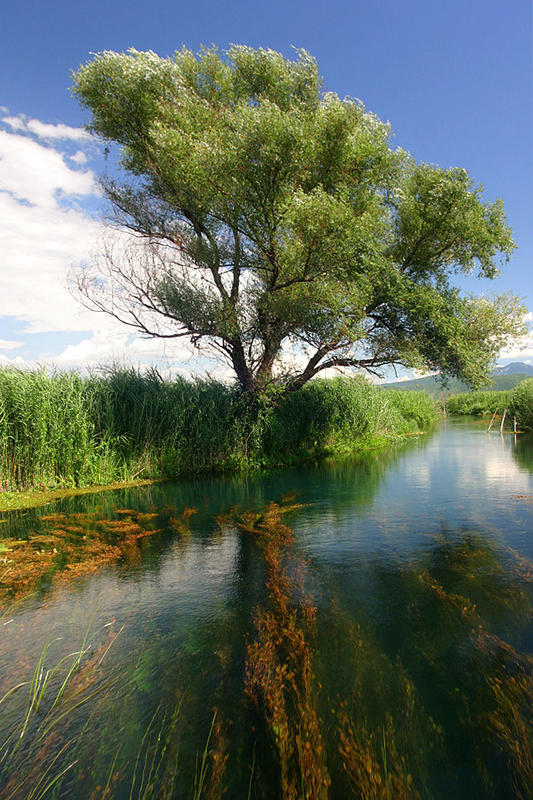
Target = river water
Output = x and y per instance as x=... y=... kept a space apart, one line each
x=369 y=635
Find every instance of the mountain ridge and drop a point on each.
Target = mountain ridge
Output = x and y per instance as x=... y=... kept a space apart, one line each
x=504 y=377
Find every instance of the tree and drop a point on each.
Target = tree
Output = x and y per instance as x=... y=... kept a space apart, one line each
x=266 y=213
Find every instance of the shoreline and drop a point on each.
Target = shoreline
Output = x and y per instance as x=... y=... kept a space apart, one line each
x=33 y=498
x=14 y=500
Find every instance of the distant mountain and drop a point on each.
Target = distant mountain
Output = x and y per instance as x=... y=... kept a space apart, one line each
x=515 y=368
x=502 y=378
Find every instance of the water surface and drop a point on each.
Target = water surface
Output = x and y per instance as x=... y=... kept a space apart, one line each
x=387 y=629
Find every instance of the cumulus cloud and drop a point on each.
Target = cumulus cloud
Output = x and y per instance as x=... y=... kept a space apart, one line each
x=15 y=123
x=45 y=187
x=522 y=348
x=112 y=346
x=5 y=361
x=45 y=130
x=39 y=175
x=522 y=351
x=46 y=229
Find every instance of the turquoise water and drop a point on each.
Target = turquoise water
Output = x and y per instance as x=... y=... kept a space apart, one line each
x=415 y=566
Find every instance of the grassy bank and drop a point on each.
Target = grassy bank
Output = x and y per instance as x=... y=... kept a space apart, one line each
x=517 y=401
x=63 y=430
x=31 y=498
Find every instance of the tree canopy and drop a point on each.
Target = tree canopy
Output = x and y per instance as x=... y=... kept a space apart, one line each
x=268 y=214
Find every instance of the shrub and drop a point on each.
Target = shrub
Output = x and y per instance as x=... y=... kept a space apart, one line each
x=522 y=404
x=478 y=403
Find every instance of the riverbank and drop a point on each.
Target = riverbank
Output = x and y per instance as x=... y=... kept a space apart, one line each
x=33 y=498
x=65 y=432
x=515 y=404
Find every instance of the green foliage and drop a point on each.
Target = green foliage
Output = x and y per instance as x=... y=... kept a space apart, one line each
x=478 y=403
x=268 y=213
x=65 y=430
x=522 y=404
x=417 y=408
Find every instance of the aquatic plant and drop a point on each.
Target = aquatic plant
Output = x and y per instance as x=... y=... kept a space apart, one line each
x=279 y=668
x=33 y=754
x=66 y=546
x=317 y=693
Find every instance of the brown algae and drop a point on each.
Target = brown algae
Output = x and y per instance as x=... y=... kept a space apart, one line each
x=75 y=545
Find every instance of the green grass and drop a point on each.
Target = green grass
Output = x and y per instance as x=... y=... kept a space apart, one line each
x=478 y=403
x=521 y=400
x=59 y=431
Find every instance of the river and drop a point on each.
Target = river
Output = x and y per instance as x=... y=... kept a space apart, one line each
x=347 y=628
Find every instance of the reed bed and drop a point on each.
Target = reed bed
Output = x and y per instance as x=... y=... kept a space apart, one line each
x=521 y=402
x=65 y=430
x=478 y=403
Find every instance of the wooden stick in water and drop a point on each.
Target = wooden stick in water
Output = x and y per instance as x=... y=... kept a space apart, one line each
x=503 y=420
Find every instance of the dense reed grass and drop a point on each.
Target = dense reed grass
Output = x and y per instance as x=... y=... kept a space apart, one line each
x=478 y=403
x=521 y=401
x=62 y=429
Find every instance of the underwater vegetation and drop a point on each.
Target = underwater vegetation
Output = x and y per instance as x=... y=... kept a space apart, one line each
x=70 y=546
x=414 y=683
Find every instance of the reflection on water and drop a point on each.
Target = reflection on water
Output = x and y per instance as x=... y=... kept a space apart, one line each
x=374 y=642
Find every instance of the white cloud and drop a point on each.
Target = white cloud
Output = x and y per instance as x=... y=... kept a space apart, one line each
x=5 y=361
x=7 y=344
x=79 y=157
x=112 y=346
x=39 y=175
x=520 y=352
x=45 y=130
x=15 y=123
x=39 y=245
x=522 y=348
x=43 y=232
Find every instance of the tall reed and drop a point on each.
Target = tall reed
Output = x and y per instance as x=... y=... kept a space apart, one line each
x=478 y=403
x=521 y=402
x=61 y=429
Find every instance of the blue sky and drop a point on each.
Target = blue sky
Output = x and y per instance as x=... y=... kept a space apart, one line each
x=453 y=79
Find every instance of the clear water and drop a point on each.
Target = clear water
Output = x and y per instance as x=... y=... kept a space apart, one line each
x=418 y=562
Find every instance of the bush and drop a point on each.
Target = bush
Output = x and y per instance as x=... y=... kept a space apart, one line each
x=418 y=409
x=478 y=403
x=522 y=404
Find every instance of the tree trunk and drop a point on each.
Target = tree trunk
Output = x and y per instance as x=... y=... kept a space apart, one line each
x=244 y=375
x=264 y=373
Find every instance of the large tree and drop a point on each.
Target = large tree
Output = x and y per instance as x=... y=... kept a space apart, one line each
x=267 y=214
